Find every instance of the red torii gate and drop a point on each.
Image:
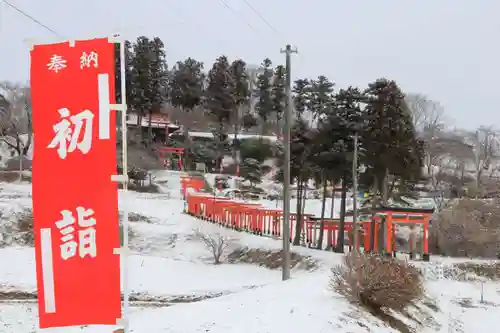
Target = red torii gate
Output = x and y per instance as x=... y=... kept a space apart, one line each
x=179 y=151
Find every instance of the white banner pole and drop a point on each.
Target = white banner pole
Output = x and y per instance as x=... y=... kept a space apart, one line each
x=125 y=252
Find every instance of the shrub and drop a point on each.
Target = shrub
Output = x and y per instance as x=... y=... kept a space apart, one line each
x=9 y=176
x=377 y=282
x=215 y=243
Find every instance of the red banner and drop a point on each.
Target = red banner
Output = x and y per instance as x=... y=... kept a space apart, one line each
x=75 y=203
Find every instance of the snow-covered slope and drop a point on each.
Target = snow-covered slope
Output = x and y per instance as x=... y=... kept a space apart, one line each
x=169 y=261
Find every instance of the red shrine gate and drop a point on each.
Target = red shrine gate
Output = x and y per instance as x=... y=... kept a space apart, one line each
x=178 y=151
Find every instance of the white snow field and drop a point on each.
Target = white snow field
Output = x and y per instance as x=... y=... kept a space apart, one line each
x=169 y=262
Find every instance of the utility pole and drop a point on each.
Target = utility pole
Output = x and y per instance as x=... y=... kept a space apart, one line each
x=355 y=193
x=286 y=182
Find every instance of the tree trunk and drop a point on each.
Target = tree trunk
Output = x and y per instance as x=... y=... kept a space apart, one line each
x=330 y=245
x=236 y=146
x=220 y=148
x=333 y=202
x=21 y=157
x=304 y=196
x=385 y=187
x=374 y=202
x=296 y=239
x=150 y=128
x=187 y=144
x=139 y=124
x=341 y=234
x=322 y=223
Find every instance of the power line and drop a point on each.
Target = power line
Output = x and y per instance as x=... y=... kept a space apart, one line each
x=22 y=12
x=260 y=15
x=225 y=4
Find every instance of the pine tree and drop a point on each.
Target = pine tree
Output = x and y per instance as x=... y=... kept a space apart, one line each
x=140 y=73
x=158 y=80
x=186 y=91
x=301 y=145
x=251 y=171
x=220 y=99
x=241 y=95
x=346 y=120
x=389 y=139
x=264 y=105
x=321 y=97
x=278 y=96
x=148 y=74
x=301 y=97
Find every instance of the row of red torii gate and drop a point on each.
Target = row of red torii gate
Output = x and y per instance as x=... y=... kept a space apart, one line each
x=376 y=235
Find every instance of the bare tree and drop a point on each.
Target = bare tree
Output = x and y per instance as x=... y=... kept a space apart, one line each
x=427 y=115
x=486 y=147
x=214 y=242
x=16 y=129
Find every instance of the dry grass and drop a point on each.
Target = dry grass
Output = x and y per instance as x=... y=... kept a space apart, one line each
x=272 y=259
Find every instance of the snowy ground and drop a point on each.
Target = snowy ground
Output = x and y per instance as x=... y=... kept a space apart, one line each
x=169 y=261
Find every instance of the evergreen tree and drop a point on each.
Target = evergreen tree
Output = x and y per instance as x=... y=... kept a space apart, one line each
x=332 y=149
x=248 y=121
x=251 y=171
x=257 y=149
x=278 y=96
x=220 y=100
x=140 y=73
x=186 y=92
x=301 y=97
x=264 y=105
x=158 y=80
x=321 y=97
x=390 y=137
x=389 y=140
x=347 y=121
x=301 y=167
x=241 y=95
x=148 y=74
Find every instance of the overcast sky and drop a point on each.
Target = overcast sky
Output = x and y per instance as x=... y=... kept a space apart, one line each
x=448 y=50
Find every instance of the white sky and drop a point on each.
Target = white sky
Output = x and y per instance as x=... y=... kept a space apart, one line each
x=444 y=49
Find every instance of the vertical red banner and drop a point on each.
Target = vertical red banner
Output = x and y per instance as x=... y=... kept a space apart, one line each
x=75 y=203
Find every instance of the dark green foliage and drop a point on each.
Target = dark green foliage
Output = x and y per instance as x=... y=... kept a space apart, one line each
x=389 y=138
x=186 y=84
x=148 y=77
x=340 y=123
x=321 y=97
x=186 y=92
x=256 y=149
x=248 y=121
x=264 y=104
x=220 y=100
x=301 y=96
x=278 y=95
x=241 y=91
x=251 y=171
x=241 y=95
x=301 y=143
x=220 y=96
